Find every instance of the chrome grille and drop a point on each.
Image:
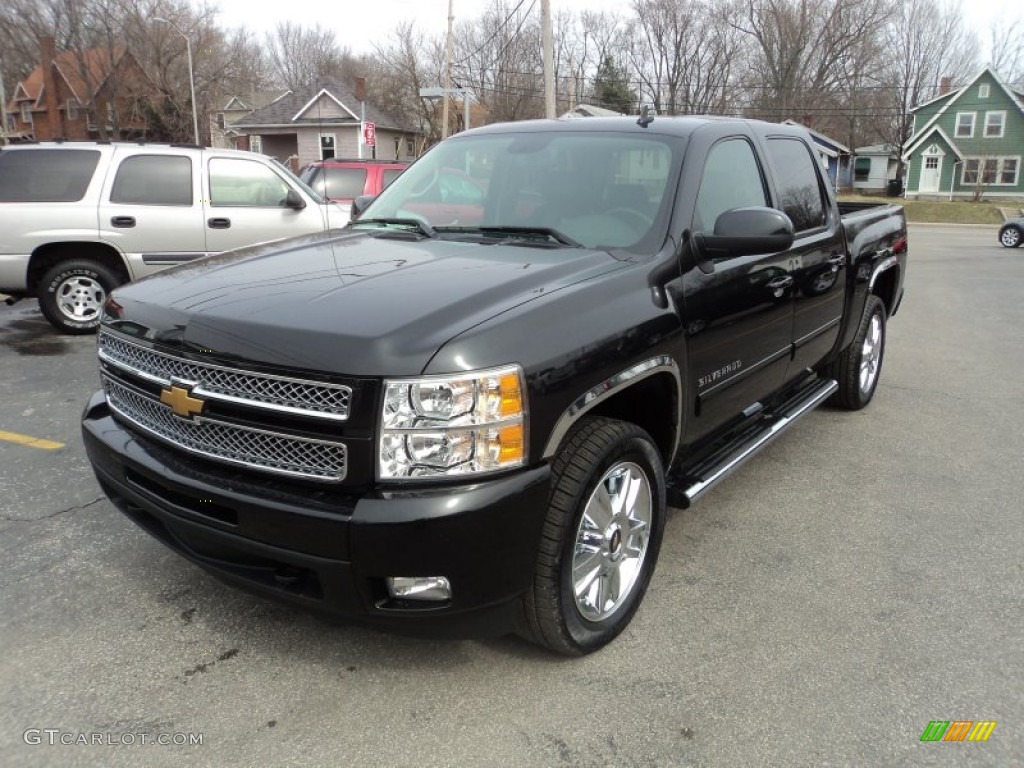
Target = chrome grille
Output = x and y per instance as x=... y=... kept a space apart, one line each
x=303 y=397
x=255 y=448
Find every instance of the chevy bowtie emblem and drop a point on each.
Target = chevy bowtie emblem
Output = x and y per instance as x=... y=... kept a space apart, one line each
x=182 y=402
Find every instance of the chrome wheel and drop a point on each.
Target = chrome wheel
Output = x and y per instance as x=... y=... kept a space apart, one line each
x=80 y=298
x=611 y=541
x=871 y=354
x=1010 y=237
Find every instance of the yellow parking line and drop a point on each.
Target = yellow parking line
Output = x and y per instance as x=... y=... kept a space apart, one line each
x=35 y=442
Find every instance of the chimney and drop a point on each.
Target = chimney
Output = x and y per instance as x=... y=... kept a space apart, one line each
x=360 y=89
x=54 y=128
x=945 y=85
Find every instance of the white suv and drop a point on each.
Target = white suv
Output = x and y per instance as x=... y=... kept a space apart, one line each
x=78 y=219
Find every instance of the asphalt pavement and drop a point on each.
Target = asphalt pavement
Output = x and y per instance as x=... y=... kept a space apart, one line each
x=859 y=579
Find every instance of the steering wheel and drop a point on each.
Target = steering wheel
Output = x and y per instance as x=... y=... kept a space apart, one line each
x=632 y=217
x=421 y=189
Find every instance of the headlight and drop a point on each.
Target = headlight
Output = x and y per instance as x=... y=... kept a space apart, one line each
x=461 y=424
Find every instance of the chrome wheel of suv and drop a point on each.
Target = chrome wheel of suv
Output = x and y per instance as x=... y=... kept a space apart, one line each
x=72 y=294
x=871 y=354
x=611 y=541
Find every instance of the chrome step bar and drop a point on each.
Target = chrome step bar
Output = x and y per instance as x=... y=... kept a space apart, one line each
x=709 y=473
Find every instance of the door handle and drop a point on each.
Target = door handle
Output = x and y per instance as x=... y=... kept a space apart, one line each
x=780 y=282
x=837 y=259
x=123 y=222
x=219 y=223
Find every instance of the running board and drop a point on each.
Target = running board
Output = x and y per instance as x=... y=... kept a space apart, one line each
x=698 y=480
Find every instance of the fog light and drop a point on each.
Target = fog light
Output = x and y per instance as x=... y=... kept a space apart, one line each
x=435 y=588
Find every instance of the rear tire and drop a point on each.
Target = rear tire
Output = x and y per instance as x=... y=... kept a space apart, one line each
x=859 y=366
x=72 y=294
x=606 y=516
x=1011 y=236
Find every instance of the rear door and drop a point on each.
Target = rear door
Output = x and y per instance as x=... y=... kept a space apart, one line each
x=151 y=208
x=739 y=318
x=818 y=257
x=245 y=204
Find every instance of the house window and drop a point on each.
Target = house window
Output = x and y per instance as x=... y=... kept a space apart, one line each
x=994 y=124
x=992 y=170
x=931 y=163
x=964 y=125
x=326 y=146
x=861 y=168
x=1008 y=171
x=410 y=147
x=983 y=91
x=256 y=144
x=26 y=113
x=220 y=120
x=71 y=109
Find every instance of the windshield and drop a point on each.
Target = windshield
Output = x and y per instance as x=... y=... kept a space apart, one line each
x=598 y=190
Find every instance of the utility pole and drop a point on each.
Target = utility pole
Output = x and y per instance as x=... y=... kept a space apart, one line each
x=447 y=71
x=549 y=67
x=3 y=106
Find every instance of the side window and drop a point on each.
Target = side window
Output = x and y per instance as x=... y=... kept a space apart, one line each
x=245 y=183
x=153 y=180
x=798 y=183
x=46 y=175
x=732 y=179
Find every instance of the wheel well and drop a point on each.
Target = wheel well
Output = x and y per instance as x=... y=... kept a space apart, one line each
x=651 y=404
x=46 y=256
x=885 y=288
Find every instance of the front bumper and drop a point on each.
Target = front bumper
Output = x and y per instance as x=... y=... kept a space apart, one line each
x=330 y=550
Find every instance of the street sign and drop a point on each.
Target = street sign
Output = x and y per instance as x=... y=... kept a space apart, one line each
x=369 y=134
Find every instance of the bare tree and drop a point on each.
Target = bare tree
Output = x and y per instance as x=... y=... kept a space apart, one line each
x=300 y=55
x=1007 y=44
x=926 y=42
x=801 y=46
x=403 y=64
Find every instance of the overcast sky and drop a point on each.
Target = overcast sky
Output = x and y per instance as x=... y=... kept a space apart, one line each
x=358 y=23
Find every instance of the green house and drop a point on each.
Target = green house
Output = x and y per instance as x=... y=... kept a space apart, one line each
x=968 y=143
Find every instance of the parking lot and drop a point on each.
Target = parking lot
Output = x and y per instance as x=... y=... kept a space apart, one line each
x=862 y=577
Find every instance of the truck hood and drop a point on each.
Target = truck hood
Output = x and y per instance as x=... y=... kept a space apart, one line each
x=355 y=304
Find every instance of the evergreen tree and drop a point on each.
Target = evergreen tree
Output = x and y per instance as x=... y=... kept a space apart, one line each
x=611 y=88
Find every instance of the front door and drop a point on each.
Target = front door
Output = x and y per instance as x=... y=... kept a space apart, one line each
x=930 y=172
x=246 y=205
x=738 y=319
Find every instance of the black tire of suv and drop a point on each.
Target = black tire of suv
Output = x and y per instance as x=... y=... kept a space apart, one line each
x=846 y=369
x=58 y=285
x=596 y=446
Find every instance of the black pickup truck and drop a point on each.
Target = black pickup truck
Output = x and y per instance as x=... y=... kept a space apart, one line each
x=469 y=410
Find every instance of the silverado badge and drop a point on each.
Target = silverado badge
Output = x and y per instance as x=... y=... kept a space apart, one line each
x=182 y=402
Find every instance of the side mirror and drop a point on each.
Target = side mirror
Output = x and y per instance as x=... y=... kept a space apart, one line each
x=744 y=232
x=294 y=200
x=360 y=203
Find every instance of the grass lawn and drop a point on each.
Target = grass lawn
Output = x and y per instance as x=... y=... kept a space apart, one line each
x=945 y=212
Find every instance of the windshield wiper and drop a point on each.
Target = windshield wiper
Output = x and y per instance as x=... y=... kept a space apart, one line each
x=418 y=224
x=513 y=235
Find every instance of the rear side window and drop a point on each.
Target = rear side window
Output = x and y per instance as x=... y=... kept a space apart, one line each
x=46 y=175
x=153 y=180
x=390 y=174
x=335 y=183
x=797 y=182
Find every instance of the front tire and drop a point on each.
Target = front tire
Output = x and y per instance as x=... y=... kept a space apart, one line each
x=1011 y=236
x=859 y=366
x=72 y=294
x=606 y=516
